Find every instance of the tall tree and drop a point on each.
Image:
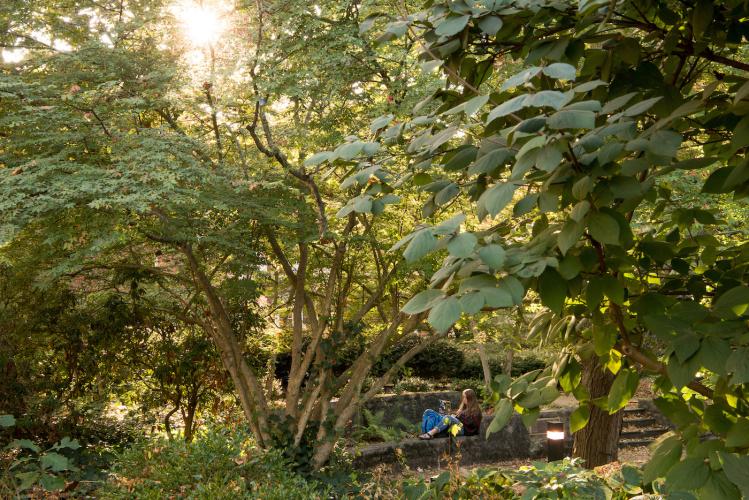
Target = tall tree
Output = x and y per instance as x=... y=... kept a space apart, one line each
x=128 y=148
x=568 y=168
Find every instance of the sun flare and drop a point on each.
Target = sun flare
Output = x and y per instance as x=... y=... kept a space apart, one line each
x=202 y=24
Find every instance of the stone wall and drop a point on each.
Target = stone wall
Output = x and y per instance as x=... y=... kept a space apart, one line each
x=511 y=442
x=514 y=441
x=410 y=405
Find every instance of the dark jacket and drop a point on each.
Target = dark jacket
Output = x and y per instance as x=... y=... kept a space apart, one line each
x=471 y=423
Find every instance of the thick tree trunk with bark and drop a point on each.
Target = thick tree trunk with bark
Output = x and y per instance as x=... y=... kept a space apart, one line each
x=598 y=442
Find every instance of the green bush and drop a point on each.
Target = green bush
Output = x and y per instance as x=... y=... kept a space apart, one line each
x=471 y=367
x=219 y=463
x=439 y=360
x=565 y=479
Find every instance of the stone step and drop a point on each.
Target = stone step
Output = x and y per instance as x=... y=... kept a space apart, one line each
x=634 y=410
x=635 y=442
x=638 y=422
x=644 y=433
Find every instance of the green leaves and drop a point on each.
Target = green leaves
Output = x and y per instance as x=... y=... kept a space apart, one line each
x=732 y=303
x=378 y=124
x=421 y=244
x=7 y=421
x=54 y=462
x=444 y=314
x=462 y=245
x=689 y=474
x=506 y=108
x=497 y=197
x=579 y=418
x=603 y=228
x=572 y=118
x=553 y=290
x=502 y=415
x=666 y=453
x=560 y=71
x=736 y=468
x=493 y=256
x=490 y=24
x=452 y=25
x=624 y=387
x=422 y=301
x=738 y=435
x=702 y=16
x=737 y=364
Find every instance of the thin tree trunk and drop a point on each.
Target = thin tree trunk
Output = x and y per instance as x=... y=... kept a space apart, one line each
x=598 y=442
x=507 y=363
x=189 y=418
x=485 y=365
x=248 y=388
x=326 y=440
x=168 y=421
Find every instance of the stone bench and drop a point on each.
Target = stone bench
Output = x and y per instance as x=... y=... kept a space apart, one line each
x=511 y=442
x=514 y=441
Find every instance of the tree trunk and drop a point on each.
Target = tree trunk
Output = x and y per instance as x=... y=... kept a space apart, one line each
x=168 y=421
x=507 y=364
x=598 y=442
x=189 y=418
x=485 y=366
x=219 y=327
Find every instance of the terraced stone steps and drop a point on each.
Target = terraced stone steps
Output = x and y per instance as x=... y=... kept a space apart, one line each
x=639 y=427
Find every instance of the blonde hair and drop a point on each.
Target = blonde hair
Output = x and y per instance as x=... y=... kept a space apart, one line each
x=469 y=403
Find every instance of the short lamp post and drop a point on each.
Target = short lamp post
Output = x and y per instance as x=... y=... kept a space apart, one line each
x=555 y=441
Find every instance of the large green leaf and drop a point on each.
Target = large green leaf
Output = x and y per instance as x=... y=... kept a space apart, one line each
x=569 y=235
x=497 y=197
x=732 y=303
x=553 y=290
x=738 y=365
x=507 y=108
x=490 y=24
x=471 y=302
x=462 y=245
x=689 y=474
x=421 y=244
x=55 y=462
x=7 y=421
x=579 y=418
x=444 y=314
x=572 y=118
x=665 y=455
x=560 y=71
x=452 y=25
x=493 y=256
x=624 y=387
x=52 y=483
x=738 y=435
x=422 y=301
x=603 y=228
x=736 y=468
x=502 y=414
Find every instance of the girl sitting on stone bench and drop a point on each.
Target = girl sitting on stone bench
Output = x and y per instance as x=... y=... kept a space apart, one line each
x=467 y=418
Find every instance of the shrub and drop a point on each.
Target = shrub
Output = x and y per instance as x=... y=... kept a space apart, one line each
x=564 y=479
x=413 y=384
x=521 y=364
x=218 y=464
x=477 y=384
x=376 y=430
x=440 y=359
